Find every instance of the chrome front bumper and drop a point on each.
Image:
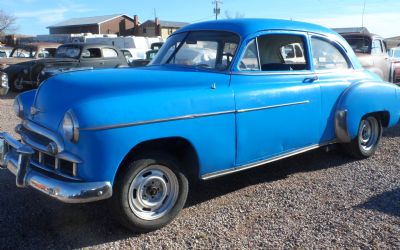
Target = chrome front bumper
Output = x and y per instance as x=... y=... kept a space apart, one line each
x=16 y=157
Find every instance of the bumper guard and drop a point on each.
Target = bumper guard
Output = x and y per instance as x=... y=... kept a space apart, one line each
x=16 y=156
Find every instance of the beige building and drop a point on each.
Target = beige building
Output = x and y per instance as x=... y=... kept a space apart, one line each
x=158 y=27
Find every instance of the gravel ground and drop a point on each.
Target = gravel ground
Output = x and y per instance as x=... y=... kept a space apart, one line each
x=315 y=200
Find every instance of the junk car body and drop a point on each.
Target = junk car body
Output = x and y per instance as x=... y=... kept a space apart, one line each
x=371 y=50
x=22 y=59
x=138 y=136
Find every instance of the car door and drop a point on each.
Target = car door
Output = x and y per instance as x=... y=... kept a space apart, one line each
x=277 y=100
x=381 y=59
x=91 y=57
x=335 y=73
x=110 y=57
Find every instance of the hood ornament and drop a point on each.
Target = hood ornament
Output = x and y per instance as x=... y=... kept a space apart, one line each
x=35 y=111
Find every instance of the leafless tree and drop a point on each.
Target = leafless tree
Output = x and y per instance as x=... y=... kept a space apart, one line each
x=7 y=23
x=228 y=15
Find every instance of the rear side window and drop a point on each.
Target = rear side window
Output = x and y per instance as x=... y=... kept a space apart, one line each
x=275 y=53
x=109 y=53
x=91 y=53
x=326 y=56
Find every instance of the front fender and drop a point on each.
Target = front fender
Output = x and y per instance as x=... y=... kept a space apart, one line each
x=364 y=98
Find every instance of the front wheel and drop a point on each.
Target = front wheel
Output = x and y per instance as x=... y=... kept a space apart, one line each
x=149 y=193
x=367 y=140
x=17 y=84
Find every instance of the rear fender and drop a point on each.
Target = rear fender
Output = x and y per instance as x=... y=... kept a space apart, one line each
x=364 y=98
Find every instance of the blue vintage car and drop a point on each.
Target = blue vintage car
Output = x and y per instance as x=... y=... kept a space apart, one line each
x=219 y=97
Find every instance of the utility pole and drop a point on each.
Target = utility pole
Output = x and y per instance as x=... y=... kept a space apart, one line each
x=217 y=9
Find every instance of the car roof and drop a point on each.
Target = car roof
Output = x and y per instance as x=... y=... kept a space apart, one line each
x=94 y=45
x=42 y=45
x=246 y=26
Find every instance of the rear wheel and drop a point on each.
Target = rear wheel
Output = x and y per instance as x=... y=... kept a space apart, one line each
x=149 y=193
x=367 y=140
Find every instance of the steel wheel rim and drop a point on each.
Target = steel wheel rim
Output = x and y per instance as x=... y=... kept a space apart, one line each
x=368 y=133
x=18 y=84
x=153 y=192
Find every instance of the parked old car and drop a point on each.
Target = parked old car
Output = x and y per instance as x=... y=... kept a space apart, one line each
x=76 y=57
x=5 y=52
x=155 y=47
x=139 y=135
x=22 y=59
x=394 y=53
x=371 y=51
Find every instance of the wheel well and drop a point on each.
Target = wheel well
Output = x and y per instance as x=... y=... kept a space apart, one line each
x=177 y=147
x=383 y=116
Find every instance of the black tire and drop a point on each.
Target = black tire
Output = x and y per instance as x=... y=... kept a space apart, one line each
x=124 y=205
x=16 y=84
x=367 y=139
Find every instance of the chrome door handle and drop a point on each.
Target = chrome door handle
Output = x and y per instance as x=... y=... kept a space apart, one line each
x=310 y=79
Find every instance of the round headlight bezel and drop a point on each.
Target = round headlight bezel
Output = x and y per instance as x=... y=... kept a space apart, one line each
x=18 y=108
x=4 y=80
x=70 y=127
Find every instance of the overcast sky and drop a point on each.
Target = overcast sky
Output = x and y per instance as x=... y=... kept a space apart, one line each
x=381 y=16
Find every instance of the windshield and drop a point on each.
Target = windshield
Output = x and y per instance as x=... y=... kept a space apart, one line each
x=23 y=53
x=359 y=44
x=200 y=49
x=68 y=52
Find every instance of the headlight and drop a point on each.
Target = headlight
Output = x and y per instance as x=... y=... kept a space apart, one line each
x=70 y=127
x=18 y=108
x=4 y=80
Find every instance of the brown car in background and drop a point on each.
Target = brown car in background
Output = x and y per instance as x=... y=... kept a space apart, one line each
x=371 y=51
x=22 y=60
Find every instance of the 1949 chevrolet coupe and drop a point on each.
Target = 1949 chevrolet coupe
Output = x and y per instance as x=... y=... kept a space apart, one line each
x=137 y=136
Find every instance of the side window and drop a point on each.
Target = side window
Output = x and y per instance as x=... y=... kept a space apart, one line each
x=91 y=53
x=127 y=54
x=109 y=53
x=376 y=47
x=249 y=60
x=282 y=53
x=326 y=56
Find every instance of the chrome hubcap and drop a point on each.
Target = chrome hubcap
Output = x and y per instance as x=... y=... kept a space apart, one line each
x=369 y=133
x=153 y=192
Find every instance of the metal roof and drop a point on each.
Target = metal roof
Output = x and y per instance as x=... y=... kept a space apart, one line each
x=354 y=30
x=170 y=24
x=87 y=20
x=247 y=26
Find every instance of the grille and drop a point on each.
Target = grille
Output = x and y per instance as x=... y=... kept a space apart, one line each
x=53 y=164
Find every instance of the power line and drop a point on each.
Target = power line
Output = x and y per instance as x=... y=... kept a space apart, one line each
x=363 y=13
x=217 y=9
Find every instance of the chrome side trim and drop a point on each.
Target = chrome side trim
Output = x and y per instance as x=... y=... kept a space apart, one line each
x=262 y=162
x=193 y=116
x=123 y=125
x=273 y=106
x=341 y=129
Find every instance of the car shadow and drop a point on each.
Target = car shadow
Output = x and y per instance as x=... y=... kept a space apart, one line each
x=392 y=132
x=10 y=95
x=31 y=220
x=387 y=202
x=307 y=162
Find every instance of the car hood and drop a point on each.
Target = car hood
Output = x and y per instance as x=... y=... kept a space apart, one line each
x=108 y=90
x=11 y=60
